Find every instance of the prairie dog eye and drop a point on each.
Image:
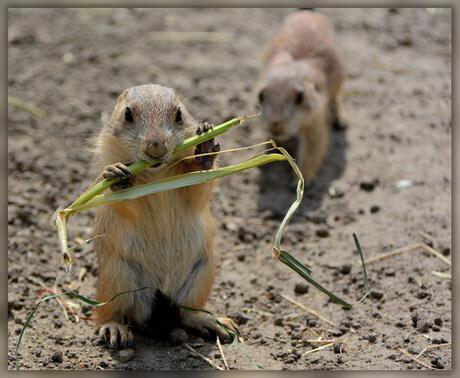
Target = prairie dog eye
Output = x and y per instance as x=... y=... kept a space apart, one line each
x=261 y=96
x=178 y=115
x=299 y=97
x=129 y=115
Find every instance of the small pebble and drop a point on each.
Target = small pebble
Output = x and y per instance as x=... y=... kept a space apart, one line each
x=438 y=321
x=423 y=326
x=335 y=192
x=229 y=226
x=241 y=319
x=376 y=294
x=368 y=186
x=57 y=357
x=68 y=58
x=375 y=209
x=372 y=337
x=178 y=336
x=312 y=322
x=195 y=363
x=317 y=218
x=126 y=355
x=257 y=336
x=103 y=364
x=57 y=323
x=337 y=347
x=322 y=232
x=244 y=235
x=404 y=183
x=446 y=251
x=437 y=363
x=442 y=340
x=87 y=309
x=423 y=294
x=301 y=288
x=345 y=269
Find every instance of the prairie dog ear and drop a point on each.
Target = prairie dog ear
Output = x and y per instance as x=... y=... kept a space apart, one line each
x=123 y=95
x=318 y=85
x=282 y=57
x=307 y=78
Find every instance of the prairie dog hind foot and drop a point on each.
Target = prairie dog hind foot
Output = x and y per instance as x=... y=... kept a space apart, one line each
x=116 y=335
x=206 y=325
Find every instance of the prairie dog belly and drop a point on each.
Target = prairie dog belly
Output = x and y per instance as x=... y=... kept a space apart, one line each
x=166 y=247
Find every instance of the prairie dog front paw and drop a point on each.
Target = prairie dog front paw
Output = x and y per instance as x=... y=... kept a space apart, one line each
x=205 y=162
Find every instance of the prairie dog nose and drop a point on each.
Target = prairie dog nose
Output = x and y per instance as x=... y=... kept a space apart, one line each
x=275 y=127
x=156 y=149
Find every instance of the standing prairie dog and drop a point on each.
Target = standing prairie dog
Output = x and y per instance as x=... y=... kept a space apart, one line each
x=301 y=78
x=164 y=240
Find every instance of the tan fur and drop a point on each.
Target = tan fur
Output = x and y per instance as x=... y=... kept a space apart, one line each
x=304 y=57
x=158 y=239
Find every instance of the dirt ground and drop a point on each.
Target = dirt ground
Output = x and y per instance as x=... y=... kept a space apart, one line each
x=386 y=178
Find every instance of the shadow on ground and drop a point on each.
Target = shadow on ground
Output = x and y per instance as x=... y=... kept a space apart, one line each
x=278 y=182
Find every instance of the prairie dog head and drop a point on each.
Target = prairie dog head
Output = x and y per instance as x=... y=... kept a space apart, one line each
x=148 y=122
x=291 y=95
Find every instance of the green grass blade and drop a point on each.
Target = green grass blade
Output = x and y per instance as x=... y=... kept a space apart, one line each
x=302 y=270
x=366 y=281
x=186 y=179
x=13 y=101
x=250 y=358
x=296 y=203
x=291 y=261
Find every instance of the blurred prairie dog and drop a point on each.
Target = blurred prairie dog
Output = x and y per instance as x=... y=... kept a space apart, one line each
x=163 y=240
x=299 y=84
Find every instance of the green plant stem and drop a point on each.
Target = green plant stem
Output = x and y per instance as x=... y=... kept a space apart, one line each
x=187 y=179
x=13 y=101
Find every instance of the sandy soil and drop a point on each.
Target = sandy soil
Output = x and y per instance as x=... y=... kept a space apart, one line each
x=73 y=63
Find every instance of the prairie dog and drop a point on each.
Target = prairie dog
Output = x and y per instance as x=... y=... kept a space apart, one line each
x=163 y=240
x=303 y=71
